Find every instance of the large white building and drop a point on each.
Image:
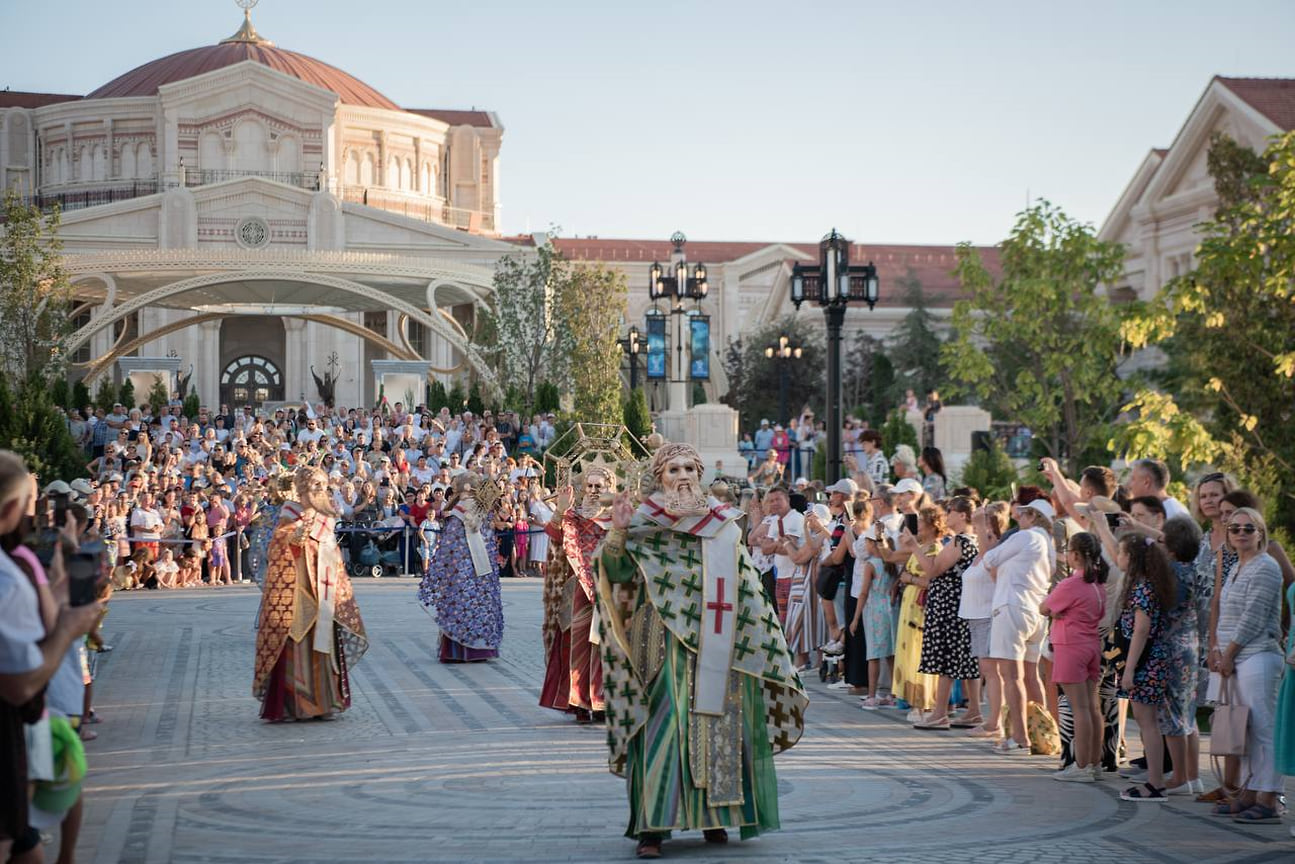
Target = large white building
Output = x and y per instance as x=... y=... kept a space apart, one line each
x=1172 y=191
x=251 y=213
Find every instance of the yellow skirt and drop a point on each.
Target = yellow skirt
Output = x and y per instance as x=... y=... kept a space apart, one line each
x=915 y=688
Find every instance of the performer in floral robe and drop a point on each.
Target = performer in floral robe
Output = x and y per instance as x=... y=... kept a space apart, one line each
x=573 y=677
x=462 y=580
x=308 y=632
x=701 y=690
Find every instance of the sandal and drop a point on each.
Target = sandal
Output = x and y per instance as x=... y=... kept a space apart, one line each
x=1146 y=792
x=965 y=722
x=1217 y=794
x=982 y=732
x=649 y=846
x=89 y=734
x=940 y=724
x=1229 y=808
x=1258 y=814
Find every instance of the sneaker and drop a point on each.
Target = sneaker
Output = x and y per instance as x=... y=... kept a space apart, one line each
x=835 y=647
x=1098 y=774
x=839 y=685
x=915 y=716
x=1009 y=747
x=1072 y=773
x=1198 y=786
x=869 y=703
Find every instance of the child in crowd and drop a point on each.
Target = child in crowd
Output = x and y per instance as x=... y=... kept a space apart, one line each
x=190 y=571
x=1076 y=607
x=1149 y=591
x=166 y=570
x=874 y=609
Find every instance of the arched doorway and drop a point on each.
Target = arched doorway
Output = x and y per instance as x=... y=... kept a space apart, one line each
x=251 y=380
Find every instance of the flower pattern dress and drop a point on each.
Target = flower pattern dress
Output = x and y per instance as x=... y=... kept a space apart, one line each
x=946 y=638
x=1151 y=678
x=1176 y=715
x=469 y=610
x=878 y=614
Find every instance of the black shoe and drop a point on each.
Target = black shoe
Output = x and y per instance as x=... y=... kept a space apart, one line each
x=600 y=717
x=717 y=836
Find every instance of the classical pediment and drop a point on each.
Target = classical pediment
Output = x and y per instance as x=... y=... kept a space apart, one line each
x=371 y=229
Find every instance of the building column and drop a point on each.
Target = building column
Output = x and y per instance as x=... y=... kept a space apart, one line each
x=208 y=364
x=295 y=364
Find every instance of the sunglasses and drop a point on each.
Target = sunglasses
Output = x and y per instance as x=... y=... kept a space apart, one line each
x=1242 y=529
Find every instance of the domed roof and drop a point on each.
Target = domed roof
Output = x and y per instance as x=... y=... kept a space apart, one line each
x=243 y=45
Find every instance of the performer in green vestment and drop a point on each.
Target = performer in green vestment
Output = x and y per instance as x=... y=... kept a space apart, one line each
x=701 y=690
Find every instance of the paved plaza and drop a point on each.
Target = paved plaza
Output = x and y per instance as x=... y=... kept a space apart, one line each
x=458 y=763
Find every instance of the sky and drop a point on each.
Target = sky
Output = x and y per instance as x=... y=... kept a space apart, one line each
x=894 y=122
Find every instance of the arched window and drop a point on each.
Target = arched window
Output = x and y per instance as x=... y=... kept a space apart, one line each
x=211 y=152
x=84 y=167
x=367 y=170
x=128 y=161
x=351 y=173
x=144 y=161
x=251 y=380
x=393 y=173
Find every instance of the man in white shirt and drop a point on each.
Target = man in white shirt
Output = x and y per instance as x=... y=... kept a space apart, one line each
x=1150 y=477
x=1021 y=567
x=784 y=531
x=312 y=432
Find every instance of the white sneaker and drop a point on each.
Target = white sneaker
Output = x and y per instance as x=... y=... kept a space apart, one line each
x=1098 y=774
x=869 y=703
x=839 y=685
x=1072 y=773
x=915 y=716
x=835 y=647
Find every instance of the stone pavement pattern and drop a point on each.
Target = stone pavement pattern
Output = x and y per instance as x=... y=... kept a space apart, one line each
x=458 y=763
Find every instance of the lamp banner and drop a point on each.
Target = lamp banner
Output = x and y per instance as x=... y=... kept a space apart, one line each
x=656 y=346
x=699 y=347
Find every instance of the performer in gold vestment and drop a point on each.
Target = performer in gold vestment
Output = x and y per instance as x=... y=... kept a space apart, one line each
x=309 y=630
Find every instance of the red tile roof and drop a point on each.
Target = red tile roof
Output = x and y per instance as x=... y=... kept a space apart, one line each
x=931 y=265
x=1272 y=97
x=456 y=118
x=23 y=99
x=144 y=80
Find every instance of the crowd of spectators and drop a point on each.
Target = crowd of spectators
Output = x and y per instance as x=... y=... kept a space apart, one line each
x=1038 y=624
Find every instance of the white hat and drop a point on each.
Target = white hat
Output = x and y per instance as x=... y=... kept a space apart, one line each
x=58 y=487
x=801 y=482
x=1043 y=508
x=821 y=511
x=764 y=422
x=845 y=486
x=908 y=484
x=82 y=486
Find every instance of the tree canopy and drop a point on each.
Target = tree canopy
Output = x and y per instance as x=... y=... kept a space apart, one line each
x=1041 y=345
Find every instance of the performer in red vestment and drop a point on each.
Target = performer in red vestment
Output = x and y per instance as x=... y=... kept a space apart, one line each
x=308 y=632
x=573 y=677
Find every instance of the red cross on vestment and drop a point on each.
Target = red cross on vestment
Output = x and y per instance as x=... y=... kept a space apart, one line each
x=719 y=605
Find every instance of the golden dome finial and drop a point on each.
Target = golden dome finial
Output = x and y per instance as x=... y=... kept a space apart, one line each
x=247 y=33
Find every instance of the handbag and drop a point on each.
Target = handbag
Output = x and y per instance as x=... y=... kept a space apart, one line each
x=1228 y=726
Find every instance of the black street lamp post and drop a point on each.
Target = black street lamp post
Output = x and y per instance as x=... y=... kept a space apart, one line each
x=678 y=288
x=834 y=284
x=783 y=353
x=632 y=345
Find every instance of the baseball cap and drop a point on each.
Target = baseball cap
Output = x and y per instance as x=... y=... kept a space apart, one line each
x=58 y=487
x=82 y=486
x=821 y=511
x=846 y=486
x=908 y=484
x=801 y=483
x=764 y=422
x=1043 y=508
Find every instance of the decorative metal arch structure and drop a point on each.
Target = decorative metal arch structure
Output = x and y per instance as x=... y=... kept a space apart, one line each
x=450 y=331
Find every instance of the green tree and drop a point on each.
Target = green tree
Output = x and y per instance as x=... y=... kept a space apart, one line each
x=457 y=398
x=105 y=394
x=36 y=429
x=126 y=395
x=529 y=343
x=991 y=472
x=80 y=395
x=548 y=397
x=437 y=397
x=897 y=430
x=590 y=301
x=1228 y=329
x=914 y=350
x=192 y=404
x=159 y=395
x=475 y=403
x=1041 y=345
x=35 y=294
x=59 y=392
x=869 y=379
x=637 y=418
x=760 y=377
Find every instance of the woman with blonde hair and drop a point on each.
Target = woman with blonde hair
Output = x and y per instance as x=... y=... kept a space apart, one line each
x=914 y=687
x=1250 y=660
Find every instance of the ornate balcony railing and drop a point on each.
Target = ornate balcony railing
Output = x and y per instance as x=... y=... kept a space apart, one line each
x=79 y=199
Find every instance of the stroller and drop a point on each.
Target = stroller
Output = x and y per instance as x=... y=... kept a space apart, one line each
x=370 y=550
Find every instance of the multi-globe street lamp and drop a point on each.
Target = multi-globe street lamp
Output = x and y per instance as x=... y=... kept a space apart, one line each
x=675 y=284
x=783 y=353
x=834 y=284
